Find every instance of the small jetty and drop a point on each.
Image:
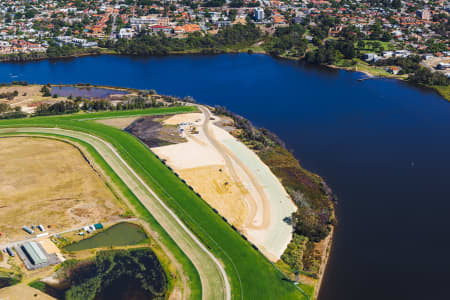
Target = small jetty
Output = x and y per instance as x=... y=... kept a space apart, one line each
x=366 y=78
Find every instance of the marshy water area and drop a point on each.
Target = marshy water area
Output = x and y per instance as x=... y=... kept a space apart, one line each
x=122 y=234
x=86 y=92
x=382 y=145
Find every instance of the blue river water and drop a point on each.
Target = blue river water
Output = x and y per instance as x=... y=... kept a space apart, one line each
x=382 y=145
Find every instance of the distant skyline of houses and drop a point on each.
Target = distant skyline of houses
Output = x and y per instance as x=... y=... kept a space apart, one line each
x=29 y=26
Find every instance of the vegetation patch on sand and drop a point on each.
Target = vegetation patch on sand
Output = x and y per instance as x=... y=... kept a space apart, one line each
x=49 y=182
x=24 y=95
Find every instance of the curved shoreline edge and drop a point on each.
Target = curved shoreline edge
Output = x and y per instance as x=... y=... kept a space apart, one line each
x=109 y=52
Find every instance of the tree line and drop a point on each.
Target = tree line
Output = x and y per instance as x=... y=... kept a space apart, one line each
x=331 y=51
x=160 y=44
x=130 y=104
x=63 y=107
x=66 y=50
x=14 y=82
x=417 y=73
x=287 y=38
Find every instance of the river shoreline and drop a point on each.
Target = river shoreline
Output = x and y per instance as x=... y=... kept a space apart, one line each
x=442 y=91
x=359 y=136
x=325 y=258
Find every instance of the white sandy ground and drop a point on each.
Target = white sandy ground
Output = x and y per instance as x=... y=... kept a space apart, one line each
x=197 y=152
x=268 y=202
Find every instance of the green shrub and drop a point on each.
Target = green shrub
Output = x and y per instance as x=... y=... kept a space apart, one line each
x=293 y=255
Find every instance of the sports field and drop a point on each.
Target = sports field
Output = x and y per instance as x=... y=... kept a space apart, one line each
x=251 y=275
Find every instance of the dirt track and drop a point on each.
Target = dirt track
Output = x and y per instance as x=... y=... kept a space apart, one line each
x=215 y=284
x=199 y=163
x=254 y=204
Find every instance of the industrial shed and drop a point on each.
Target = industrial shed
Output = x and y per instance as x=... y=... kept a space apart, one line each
x=34 y=253
x=34 y=256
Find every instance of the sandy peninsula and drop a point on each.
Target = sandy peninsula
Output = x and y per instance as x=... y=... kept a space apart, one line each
x=232 y=179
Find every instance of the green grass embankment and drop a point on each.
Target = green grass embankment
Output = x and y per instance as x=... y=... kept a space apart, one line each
x=444 y=91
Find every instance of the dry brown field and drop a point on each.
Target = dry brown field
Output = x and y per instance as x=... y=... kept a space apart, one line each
x=21 y=292
x=48 y=182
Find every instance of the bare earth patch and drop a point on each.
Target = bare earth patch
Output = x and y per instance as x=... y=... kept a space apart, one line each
x=218 y=189
x=183 y=118
x=22 y=291
x=49 y=182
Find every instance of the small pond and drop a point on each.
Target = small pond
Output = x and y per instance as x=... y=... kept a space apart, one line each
x=86 y=92
x=122 y=234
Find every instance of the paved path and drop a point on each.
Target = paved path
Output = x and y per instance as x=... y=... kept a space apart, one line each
x=215 y=283
x=113 y=34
